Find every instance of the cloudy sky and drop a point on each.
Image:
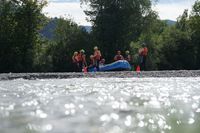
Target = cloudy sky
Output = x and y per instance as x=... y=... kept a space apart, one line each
x=167 y=9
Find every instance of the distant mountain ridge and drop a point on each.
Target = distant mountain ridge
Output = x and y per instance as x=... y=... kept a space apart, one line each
x=170 y=22
x=49 y=28
x=87 y=28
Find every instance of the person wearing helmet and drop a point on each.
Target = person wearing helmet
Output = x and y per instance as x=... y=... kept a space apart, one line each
x=118 y=56
x=75 y=61
x=97 y=57
x=82 y=60
x=128 y=56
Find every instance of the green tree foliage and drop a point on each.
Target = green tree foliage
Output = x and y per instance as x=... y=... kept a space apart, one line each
x=7 y=26
x=181 y=43
x=151 y=36
x=43 y=56
x=117 y=22
x=177 y=50
x=194 y=23
x=20 y=21
x=182 y=21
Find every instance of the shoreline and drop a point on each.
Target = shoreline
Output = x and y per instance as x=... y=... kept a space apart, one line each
x=122 y=74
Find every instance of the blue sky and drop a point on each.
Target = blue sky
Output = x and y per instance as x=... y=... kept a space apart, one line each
x=167 y=9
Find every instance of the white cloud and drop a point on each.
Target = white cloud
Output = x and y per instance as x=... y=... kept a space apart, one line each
x=167 y=10
x=173 y=10
x=67 y=9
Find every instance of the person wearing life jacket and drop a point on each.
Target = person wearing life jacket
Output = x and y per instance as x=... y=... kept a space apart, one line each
x=128 y=56
x=97 y=57
x=143 y=52
x=92 y=63
x=75 y=61
x=118 y=56
x=82 y=60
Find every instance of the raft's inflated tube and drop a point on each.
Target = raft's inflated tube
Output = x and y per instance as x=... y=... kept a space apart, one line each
x=121 y=65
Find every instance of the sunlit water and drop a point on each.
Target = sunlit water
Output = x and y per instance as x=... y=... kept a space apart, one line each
x=104 y=105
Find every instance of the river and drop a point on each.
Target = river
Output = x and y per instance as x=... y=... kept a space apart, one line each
x=100 y=105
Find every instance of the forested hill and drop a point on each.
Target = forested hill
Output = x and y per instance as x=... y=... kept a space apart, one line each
x=170 y=22
x=48 y=31
x=49 y=28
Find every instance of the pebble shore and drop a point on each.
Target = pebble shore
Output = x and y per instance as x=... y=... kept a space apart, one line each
x=122 y=74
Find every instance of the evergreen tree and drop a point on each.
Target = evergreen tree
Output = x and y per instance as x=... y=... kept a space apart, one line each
x=20 y=21
x=194 y=22
x=117 y=22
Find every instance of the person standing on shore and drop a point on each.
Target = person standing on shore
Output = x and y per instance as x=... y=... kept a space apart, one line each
x=118 y=56
x=92 y=62
x=128 y=56
x=143 y=52
x=82 y=60
x=97 y=57
x=75 y=61
x=129 y=59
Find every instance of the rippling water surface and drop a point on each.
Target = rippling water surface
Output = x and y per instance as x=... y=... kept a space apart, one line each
x=104 y=105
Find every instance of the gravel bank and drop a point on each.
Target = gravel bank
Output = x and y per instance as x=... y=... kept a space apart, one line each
x=128 y=74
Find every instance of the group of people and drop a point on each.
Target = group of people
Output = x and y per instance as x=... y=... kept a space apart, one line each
x=80 y=63
x=96 y=60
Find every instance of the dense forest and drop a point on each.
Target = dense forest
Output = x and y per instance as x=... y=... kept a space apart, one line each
x=116 y=25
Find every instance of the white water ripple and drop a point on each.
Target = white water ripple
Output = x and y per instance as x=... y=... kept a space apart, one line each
x=91 y=105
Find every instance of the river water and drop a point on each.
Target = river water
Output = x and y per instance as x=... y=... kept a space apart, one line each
x=100 y=105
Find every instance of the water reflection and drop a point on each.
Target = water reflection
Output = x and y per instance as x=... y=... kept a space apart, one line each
x=164 y=105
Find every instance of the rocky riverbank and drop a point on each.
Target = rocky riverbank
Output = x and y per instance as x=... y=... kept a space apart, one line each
x=128 y=74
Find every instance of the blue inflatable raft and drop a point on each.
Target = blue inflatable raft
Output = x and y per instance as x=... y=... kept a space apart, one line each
x=121 y=65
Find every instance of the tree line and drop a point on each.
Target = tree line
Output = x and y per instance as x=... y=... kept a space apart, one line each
x=116 y=25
